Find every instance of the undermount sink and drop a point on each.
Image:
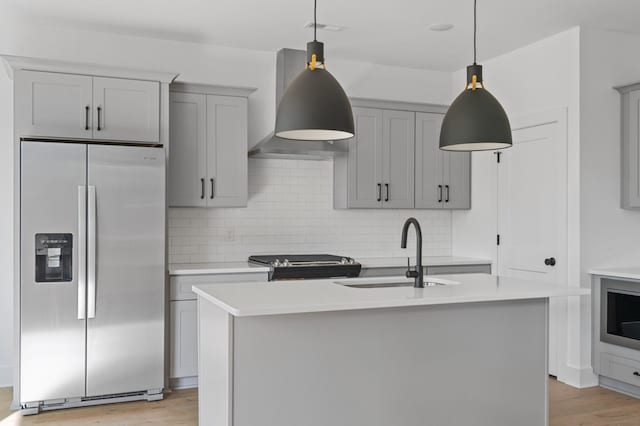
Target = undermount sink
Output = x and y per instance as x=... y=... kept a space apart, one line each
x=378 y=283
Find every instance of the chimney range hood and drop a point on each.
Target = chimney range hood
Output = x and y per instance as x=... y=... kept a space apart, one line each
x=290 y=63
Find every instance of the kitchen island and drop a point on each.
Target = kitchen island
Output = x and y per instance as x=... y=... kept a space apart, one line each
x=468 y=350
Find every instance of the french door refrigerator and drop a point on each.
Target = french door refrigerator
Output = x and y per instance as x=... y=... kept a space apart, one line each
x=92 y=273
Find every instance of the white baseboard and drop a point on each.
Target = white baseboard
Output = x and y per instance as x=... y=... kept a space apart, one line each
x=183 y=382
x=578 y=377
x=6 y=376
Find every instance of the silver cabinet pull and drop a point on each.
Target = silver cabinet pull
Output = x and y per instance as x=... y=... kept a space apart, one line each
x=213 y=194
x=439 y=193
x=379 y=192
x=446 y=200
x=386 y=187
x=202 y=188
x=86 y=117
x=91 y=252
x=99 y=111
x=82 y=252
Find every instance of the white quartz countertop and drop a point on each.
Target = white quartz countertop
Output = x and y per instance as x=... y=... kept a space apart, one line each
x=631 y=272
x=289 y=297
x=367 y=263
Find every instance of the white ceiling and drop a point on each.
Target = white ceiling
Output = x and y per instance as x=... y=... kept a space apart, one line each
x=393 y=32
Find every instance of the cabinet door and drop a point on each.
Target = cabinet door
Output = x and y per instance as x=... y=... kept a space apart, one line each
x=187 y=150
x=126 y=110
x=227 y=158
x=183 y=339
x=365 y=163
x=457 y=180
x=398 y=159
x=429 y=162
x=631 y=150
x=52 y=104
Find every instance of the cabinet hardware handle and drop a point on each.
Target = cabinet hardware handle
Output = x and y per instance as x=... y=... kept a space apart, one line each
x=635 y=373
x=551 y=261
x=99 y=111
x=202 y=188
x=446 y=200
x=386 y=186
x=439 y=193
x=379 y=192
x=212 y=186
x=86 y=117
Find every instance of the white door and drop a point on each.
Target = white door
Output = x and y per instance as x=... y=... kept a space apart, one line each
x=126 y=110
x=53 y=104
x=532 y=213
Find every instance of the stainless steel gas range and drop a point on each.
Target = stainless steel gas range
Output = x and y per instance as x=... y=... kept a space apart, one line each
x=307 y=266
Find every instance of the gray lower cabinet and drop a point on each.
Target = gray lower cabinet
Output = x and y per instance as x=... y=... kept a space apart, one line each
x=443 y=179
x=630 y=179
x=183 y=337
x=379 y=166
x=207 y=148
x=394 y=161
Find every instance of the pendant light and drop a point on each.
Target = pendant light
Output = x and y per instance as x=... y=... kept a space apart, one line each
x=314 y=106
x=475 y=120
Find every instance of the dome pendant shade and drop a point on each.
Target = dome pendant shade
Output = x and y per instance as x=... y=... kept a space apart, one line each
x=475 y=121
x=314 y=106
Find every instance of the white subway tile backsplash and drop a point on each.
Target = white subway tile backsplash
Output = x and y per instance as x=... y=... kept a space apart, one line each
x=291 y=211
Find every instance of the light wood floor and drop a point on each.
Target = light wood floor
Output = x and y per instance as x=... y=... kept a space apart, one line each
x=568 y=407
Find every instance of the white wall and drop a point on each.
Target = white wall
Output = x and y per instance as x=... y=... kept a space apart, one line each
x=540 y=77
x=196 y=63
x=291 y=211
x=610 y=235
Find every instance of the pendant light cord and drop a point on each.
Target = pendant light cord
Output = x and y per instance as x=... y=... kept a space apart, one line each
x=475 y=11
x=315 y=21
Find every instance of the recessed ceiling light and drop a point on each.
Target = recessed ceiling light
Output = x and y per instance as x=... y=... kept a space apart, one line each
x=326 y=27
x=440 y=27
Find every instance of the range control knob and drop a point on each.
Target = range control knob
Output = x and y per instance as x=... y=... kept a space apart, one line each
x=344 y=261
x=286 y=262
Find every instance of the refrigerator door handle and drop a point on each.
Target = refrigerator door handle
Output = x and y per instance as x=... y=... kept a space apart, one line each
x=82 y=252
x=91 y=252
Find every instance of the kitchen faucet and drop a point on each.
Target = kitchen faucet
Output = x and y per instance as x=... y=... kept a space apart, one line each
x=417 y=274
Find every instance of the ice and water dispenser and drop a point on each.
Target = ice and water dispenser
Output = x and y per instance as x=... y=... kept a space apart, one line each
x=53 y=257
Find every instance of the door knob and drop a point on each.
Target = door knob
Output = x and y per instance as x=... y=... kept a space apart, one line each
x=550 y=261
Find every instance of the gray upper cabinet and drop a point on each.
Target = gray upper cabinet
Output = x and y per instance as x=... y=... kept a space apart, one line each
x=85 y=107
x=227 y=151
x=398 y=164
x=126 y=109
x=443 y=179
x=54 y=105
x=187 y=144
x=630 y=167
x=394 y=160
x=208 y=147
x=364 y=160
x=379 y=166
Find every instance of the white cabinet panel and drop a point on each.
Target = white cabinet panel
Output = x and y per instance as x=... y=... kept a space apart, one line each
x=188 y=162
x=52 y=104
x=127 y=110
x=184 y=339
x=630 y=191
x=227 y=159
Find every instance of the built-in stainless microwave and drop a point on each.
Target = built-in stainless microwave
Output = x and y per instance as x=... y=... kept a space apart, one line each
x=620 y=313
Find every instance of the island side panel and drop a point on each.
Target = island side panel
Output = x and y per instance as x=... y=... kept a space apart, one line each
x=215 y=365
x=461 y=364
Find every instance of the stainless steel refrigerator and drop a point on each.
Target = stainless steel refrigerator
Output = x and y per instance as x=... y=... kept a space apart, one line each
x=92 y=253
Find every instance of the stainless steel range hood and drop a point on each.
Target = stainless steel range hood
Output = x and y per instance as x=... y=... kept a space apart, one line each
x=290 y=63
